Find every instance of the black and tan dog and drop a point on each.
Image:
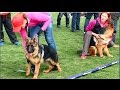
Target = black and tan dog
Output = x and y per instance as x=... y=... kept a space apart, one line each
x=102 y=42
x=37 y=54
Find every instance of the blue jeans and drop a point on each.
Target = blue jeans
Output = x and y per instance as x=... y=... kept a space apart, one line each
x=48 y=34
x=75 y=21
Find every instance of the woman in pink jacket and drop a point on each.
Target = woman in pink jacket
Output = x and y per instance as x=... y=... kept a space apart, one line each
x=36 y=22
x=94 y=28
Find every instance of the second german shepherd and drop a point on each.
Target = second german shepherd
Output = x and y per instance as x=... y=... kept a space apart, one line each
x=102 y=42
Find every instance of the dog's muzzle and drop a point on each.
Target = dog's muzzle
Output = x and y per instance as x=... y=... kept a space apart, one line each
x=30 y=48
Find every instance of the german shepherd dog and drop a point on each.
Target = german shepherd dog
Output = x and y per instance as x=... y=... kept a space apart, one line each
x=37 y=54
x=102 y=42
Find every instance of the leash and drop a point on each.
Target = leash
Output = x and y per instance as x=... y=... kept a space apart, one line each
x=93 y=70
x=101 y=37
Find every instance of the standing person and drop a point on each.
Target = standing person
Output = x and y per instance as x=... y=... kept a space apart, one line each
x=115 y=17
x=94 y=28
x=37 y=22
x=88 y=16
x=43 y=24
x=66 y=14
x=5 y=19
x=75 y=25
x=1 y=32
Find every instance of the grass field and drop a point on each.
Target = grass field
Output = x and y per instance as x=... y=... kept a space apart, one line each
x=69 y=45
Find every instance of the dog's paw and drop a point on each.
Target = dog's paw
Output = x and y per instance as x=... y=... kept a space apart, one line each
x=93 y=55
x=35 y=77
x=27 y=74
x=102 y=56
x=46 y=71
x=110 y=55
x=59 y=70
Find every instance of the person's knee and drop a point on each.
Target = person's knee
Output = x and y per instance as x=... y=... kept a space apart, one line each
x=111 y=43
x=89 y=33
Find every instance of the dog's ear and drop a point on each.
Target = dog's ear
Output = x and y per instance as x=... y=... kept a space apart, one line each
x=35 y=39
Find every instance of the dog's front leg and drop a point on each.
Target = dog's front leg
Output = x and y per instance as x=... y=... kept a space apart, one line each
x=107 y=52
x=28 y=69
x=100 y=52
x=36 y=72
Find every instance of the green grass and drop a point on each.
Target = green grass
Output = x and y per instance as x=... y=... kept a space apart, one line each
x=69 y=45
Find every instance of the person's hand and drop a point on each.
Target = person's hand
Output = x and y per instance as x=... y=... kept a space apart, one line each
x=97 y=35
x=42 y=29
x=24 y=24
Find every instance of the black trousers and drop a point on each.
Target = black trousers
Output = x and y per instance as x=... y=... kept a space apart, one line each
x=88 y=17
x=6 y=21
x=60 y=16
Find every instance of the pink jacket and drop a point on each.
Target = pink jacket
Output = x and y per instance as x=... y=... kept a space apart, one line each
x=93 y=23
x=35 y=18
